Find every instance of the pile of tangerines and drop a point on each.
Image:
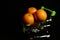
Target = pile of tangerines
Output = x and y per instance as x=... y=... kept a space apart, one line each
x=33 y=15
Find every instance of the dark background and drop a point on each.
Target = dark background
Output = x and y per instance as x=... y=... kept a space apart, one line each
x=17 y=8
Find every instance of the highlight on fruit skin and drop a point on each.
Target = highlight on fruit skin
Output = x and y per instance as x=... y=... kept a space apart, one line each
x=41 y=15
x=32 y=10
x=28 y=19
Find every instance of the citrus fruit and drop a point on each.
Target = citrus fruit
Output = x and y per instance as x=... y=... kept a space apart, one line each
x=32 y=10
x=41 y=15
x=28 y=18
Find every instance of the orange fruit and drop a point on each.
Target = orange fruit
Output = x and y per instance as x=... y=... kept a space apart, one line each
x=28 y=18
x=32 y=10
x=41 y=15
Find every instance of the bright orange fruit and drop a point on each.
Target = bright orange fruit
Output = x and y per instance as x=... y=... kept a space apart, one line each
x=28 y=18
x=32 y=10
x=41 y=15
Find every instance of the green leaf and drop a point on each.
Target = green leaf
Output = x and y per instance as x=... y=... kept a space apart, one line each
x=24 y=29
x=53 y=13
x=42 y=7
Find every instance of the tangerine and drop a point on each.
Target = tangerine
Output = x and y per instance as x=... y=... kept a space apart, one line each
x=41 y=15
x=32 y=10
x=28 y=18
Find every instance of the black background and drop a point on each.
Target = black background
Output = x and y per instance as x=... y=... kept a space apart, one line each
x=17 y=8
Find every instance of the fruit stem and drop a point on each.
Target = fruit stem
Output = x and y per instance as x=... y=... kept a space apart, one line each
x=48 y=9
x=53 y=13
